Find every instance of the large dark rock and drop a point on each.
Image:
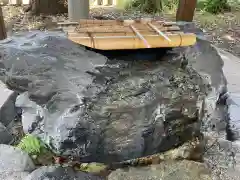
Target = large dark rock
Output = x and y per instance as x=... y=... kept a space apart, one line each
x=86 y=105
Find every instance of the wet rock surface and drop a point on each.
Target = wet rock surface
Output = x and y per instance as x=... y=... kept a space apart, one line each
x=232 y=97
x=206 y=61
x=223 y=152
x=52 y=173
x=170 y=170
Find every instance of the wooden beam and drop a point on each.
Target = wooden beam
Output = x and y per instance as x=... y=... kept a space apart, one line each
x=3 y=34
x=186 y=9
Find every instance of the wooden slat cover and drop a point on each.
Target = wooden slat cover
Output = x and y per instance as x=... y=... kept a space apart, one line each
x=133 y=34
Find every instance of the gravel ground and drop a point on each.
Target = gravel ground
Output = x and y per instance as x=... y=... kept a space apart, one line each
x=223 y=30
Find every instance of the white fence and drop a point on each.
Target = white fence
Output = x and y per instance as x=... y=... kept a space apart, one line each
x=92 y=2
x=103 y=2
x=16 y=2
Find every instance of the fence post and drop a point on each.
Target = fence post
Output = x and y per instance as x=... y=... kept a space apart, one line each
x=3 y=34
x=186 y=9
x=78 y=9
x=114 y=3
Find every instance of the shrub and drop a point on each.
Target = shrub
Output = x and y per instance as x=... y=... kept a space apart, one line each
x=148 y=6
x=216 y=6
x=152 y=6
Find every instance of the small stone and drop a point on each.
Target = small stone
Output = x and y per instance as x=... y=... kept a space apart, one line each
x=14 y=160
x=54 y=172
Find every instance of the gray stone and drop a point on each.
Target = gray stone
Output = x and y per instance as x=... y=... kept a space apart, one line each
x=7 y=105
x=13 y=175
x=222 y=157
x=13 y=159
x=54 y=173
x=172 y=170
x=229 y=174
x=5 y=136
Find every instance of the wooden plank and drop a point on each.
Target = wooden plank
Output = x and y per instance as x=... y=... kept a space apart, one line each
x=99 y=34
x=108 y=29
x=186 y=9
x=122 y=22
x=3 y=34
x=68 y=23
x=133 y=42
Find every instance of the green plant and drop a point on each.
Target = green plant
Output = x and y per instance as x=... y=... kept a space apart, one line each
x=31 y=145
x=38 y=151
x=216 y=6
